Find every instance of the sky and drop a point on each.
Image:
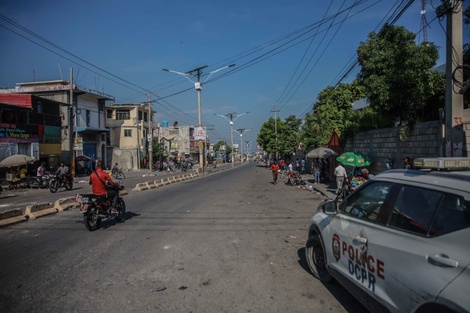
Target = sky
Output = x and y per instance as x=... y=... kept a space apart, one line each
x=285 y=51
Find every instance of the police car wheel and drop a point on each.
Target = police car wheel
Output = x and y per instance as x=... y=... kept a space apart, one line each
x=316 y=259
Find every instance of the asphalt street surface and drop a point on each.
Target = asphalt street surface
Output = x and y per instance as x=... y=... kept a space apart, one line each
x=226 y=242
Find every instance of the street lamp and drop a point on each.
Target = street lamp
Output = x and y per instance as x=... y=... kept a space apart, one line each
x=198 y=86
x=241 y=131
x=230 y=117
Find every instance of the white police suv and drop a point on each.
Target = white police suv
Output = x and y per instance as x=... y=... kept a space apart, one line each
x=401 y=242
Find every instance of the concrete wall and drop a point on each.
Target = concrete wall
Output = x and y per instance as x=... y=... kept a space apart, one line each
x=424 y=141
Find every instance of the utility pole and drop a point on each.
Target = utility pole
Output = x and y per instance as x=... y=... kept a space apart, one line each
x=150 y=134
x=198 y=86
x=72 y=126
x=229 y=117
x=454 y=133
x=241 y=131
x=275 y=130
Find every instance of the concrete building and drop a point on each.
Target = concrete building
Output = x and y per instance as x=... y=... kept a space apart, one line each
x=83 y=124
x=178 y=141
x=32 y=126
x=129 y=132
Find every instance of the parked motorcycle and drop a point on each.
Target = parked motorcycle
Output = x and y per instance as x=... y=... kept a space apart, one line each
x=59 y=180
x=35 y=182
x=95 y=208
x=16 y=183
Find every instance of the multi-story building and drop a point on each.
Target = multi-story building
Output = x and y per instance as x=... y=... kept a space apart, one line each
x=83 y=124
x=31 y=125
x=129 y=135
x=178 y=141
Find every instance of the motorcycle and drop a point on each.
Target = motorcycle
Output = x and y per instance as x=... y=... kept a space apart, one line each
x=59 y=180
x=95 y=208
x=35 y=182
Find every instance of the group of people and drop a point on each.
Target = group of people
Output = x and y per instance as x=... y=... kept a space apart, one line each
x=42 y=171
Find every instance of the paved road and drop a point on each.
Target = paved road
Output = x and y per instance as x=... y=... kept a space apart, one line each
x=229 y=242
x=20 y=198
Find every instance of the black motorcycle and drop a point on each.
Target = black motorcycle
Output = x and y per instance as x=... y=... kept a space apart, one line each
x=95 y=208
x=59 y=180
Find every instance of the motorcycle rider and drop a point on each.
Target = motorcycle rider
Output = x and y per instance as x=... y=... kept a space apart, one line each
x=62 y=170
x=115 y=170
x=41 y=171
x=98 y=180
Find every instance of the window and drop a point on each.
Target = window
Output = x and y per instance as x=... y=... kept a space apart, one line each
x=453 y=214
x=109 y=113
x=123 y=115
x=127 y=132
x=367 y=202
x=88 y=117
x=414 y=209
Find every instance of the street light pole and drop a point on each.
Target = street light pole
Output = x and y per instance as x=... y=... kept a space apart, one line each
x=241 y=131
x=229 y=117
x=150 y=134
x=198 y=86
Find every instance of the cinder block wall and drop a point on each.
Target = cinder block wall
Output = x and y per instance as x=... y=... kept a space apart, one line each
x=424 y=141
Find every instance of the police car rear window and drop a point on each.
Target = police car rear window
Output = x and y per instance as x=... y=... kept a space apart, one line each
x=429 y=212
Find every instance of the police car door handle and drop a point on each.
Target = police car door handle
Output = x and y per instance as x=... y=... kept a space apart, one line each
x=359 y=240
x=442 y=260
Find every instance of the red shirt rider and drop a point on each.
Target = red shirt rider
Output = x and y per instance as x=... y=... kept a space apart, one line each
x=97 y=186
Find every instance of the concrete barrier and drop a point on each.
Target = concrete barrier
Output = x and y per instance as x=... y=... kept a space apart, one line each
x=11 y=217
x=166 y=181
x=140 y=187
x=176 y=179
x=151 y=185
x=37 y=210
x=65 y=204
x=159 y=183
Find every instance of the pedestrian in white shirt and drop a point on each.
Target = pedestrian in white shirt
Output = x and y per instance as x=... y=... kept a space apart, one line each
x=341 y=177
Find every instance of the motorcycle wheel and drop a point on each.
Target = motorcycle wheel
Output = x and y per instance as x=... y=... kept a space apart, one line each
x=54 y=185
x=121 y=208
x=91 y=218
x=33 y=183
x=69 y=185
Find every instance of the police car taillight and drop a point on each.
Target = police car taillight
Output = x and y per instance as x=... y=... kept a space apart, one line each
x=442 y=163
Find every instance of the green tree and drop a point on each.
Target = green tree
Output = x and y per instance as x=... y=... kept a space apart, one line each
x=158 y=150
x=289 y=135
x=396 y=74
x=267 y=135
x=228 y=148
x=332 y=111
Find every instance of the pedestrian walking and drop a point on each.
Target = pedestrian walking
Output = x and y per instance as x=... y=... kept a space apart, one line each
x=317 y=171
x=275 y=169
x=341 y=177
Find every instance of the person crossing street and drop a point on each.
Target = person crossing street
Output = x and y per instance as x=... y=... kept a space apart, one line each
x=275 y=169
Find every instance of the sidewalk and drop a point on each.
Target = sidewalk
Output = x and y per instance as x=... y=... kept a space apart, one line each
x=328 y=189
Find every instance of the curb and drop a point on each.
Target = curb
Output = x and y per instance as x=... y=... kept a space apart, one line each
x=11 y=217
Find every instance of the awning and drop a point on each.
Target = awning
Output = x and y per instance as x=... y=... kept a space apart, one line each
x=91 y=129
x=24 y=101
x=168 y=138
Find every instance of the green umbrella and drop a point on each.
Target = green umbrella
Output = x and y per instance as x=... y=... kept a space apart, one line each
x=356 y=159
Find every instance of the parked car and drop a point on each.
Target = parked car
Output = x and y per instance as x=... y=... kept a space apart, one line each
x=401 y=241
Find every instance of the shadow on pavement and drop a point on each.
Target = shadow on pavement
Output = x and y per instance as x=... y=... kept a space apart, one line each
x=346 y=299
